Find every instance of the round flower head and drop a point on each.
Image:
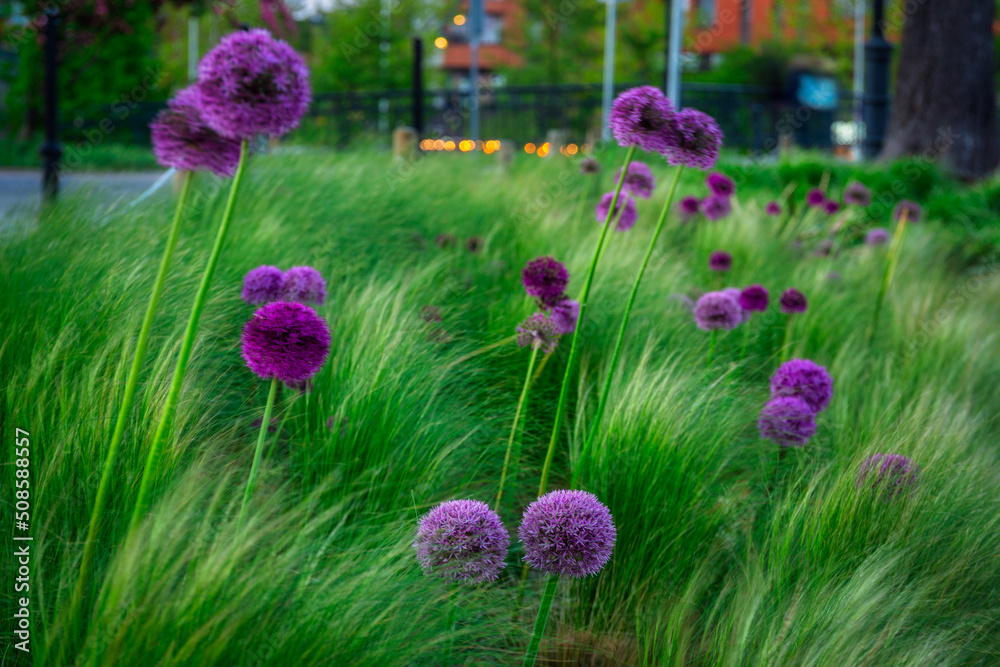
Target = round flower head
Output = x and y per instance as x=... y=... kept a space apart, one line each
x=892 y=473
x=689 y=207
x=773 y=208
x=305 y=285
x=803 y=379
x=754 y=298
x=539 y=331
x=462 y=540
x=830 y=206
x=734 y=294
x=793 y=301
x=787 y=420
x=628 y=214
x=698 y=139
x=545 y=278
x=720 y=184
x=715 y=207
x=589 y=165
x=181 y=138
x=720 y=261
x=877 y=236
x=567 y=533
x=639 y=181
x=565 y=315
x=717 y=310
x=643 y=117
x=856 y=194
x=816 y=197
x=252 y=83
x=285 y=340
x=912 y=209
x=263 y=285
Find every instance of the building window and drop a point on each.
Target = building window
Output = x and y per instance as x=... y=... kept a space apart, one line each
x=705 y=12
x=492 y=29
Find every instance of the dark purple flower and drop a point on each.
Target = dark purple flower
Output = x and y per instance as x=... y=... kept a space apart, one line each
x=720 y=184
x=462 y=540
x=545 y=278
x=589 y=165
x=697 y=140
x=773 y=208
x=263 y=285
x=539 y=331
x=628 y=214
x=877 y=236
x=787 y=421
x=816 y=197
x=912 y=209
x=181 y=138
x=565 y=315
x=305 y=285
x=804 y=379
x=754 y=298
x=715 y=207
x=285 y=340
x=639 y=181
x=856 y=194
x=720 y=261
x=644 y=117
x=474 y=244
x=717 y=310
x=689 y=207
x=253 y=84
x=891 y=473
x=567 y=533
x=830 y=206
x=793 y=301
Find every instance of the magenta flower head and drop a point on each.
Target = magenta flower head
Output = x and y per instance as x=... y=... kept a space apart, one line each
x=816 y=197
x=181 y=138
x=462 y=540
x=787 y=421
x=793 y=301
x=689 y=207
x=717 y=310
x=877 y=236
x=720 y=261
x=912 y=209
x=253 y=84
x=715 y=207
x=698 y=140
x=803 y=379
x=287 y=341
x=856 y=194
x=889 y=473
x=305 y=285
x=628 y=214
x=545 y=278
x=720 y=184
x=754 y=299
x=830 y=206
x=773 y=208
x=565 y=315
x=567 y=533
x=263 y=285
x=539 y=331
x=639 y=181
x=645 y=118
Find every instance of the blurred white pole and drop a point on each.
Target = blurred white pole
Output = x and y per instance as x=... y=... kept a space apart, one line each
x=860 y=11
x=674 y=63
x=610 y=29
x=192 y=48
x=475 y=30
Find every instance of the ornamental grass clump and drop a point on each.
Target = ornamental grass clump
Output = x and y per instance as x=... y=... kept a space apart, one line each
x=887 y=475
x=905 y=211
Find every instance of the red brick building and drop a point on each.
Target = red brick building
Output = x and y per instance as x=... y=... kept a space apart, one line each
x=500 y=42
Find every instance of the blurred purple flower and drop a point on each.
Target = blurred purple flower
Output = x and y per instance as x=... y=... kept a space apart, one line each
x=565 y=315
x=545 y=278
x=877 y=236
x=181 y=138
x=793 y=301
x=629 y=214
x=589 y=165
x=787 y=421
x=754 y=298
x=567 y=533
x=720 y=184
x=639 y=181
x=856 y=194
x=689 y=207
x=804 y=379
x=717 y=310
x=539 y=331
x=697 y=140
x=715 y=207
x=831 y=206
x=263 y=285
x=816 y=197
x=720 y=261
x=773 y=208
x=305 y=285
x=912 y=209
x=462 y=540
x=645 y=118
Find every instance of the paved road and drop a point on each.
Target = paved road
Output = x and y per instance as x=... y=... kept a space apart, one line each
x=20 y=189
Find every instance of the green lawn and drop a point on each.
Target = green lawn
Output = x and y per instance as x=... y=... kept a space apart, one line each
x=725 y=555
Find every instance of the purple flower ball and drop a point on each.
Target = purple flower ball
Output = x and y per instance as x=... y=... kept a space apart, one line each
x=830 y=206
x=645 y=118
x=793 y=301
x=462 y=540
x=567 y=533
x=856 y=194
x=816 y=197
x=720 y=184
x=697 y=140
x=715 y=207
x=717 y=310
x=305 y=285
x=565 y=315
x=877 y=236
x=787 y=421
x=252 y=83
x=539 y=331
x=912 y=209
x=720 y=261
x=545 y=278
x=754 y=299
x=892 y=473
x=285 y=340
x=639 y=181
x=181 y=138
x=263 y=285
x=803 y=379
x=689 y=207
x=773 y=208
x=734 y=294
x=628 y=216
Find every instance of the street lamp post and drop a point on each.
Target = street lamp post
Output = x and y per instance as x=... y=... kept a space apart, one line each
x=51 y=150
x=878 y=56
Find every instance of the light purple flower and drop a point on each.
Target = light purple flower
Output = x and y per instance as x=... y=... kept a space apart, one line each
x=787 y=421
x=754 y=298
x=720 y=184
x=734 y=294
x=645 y=118
x=567 y=533
x=639 y=181
x=285 y=340
x=773 y=208
x=305 y=285
x=539 y=331
x=462 y=540
x=877 y=236
x=565 y=315
x=912 y=209
x=263 y=285
x=804 y=379
x=715 y=207
x=181 y=138
x=689 y=207
x=816 y=197
x=720 y=261
x=856 y=194
x=889 y=473
x=628 y=216
x=545 y=278
x=793 y=301
x=697 y=140
x=717 y=310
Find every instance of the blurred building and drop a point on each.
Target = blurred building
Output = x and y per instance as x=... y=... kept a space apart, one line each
x=500 y=43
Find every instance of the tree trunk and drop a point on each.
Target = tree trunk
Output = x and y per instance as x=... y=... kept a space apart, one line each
x=945 y=104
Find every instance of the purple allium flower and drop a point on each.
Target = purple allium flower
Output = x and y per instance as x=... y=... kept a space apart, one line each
x=305 y=285
x=263 y=285
x=545 y=278
x=462 y=540
x=831 y=206
x=804 y=379
x=824 y=248
x=793 y=301
x=285 y=340
x=565 y=315
x=734 y=294
x=252 y=83
x=720 y=184
x=589 y=165
x=628 y=214
x=912 y=208
x=816 y=197
x=856 y=194
x=891 y=472
x=181 y=138
x=689 y=207
x=644 y=117
x=567 y=533
x=754 y=298
x=720 y=261
x=717 y=310
x=787 y=420
x=539 y=331
x=877 y=236
x=698 y=139
x=474 y=244
x=715 y=207
x=639 y=181
x=773 y=208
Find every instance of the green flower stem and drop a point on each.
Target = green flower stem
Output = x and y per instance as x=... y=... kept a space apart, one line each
x=606 y=391
x=540 y=620
x=711 y=347
x=564 y=391
x=257 y=452
x=517 y=419
x=786 y=340
x=162 y=428
x=890 y=269
x=452 y=623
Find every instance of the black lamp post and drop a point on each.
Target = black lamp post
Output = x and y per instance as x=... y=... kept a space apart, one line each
x=875 y=103
x=51 y=150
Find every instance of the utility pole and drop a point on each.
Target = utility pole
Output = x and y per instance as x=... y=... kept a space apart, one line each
x=475 y=30
x=610 y=28
x=51 y=150
x=674 y=56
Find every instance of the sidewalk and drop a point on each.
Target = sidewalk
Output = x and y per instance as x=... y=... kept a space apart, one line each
x=21 y=189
